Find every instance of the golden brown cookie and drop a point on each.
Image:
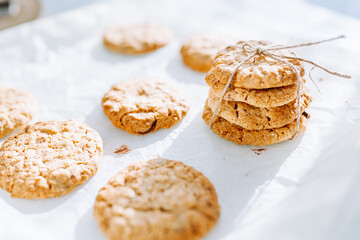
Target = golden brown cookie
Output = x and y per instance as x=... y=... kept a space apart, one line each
x=136 y=38
x=49 y=159
x=157 y=200
x=16 y=110
x=241 y=136
x=142 y=106
x=199 y=51
x=255 y=118
x=259 y=72
x=271 y=97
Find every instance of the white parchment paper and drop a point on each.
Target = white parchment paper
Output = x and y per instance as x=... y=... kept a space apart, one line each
x=307 y=188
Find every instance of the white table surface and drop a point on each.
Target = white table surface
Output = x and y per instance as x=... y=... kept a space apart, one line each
x=307 y=188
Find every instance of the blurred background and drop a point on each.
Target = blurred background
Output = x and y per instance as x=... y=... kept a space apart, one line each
x=348 y=7
x=13 y=12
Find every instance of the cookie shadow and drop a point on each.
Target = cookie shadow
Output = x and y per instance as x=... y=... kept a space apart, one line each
x=87 y=227
x=238 y=174
x=177 y=70
x=114 y=137
x=102 y=54
x=28 y=206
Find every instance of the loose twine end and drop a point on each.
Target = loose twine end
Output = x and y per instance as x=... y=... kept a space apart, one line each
x=254 y=50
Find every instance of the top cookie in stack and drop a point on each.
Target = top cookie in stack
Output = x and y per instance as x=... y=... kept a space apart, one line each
x=260 y=107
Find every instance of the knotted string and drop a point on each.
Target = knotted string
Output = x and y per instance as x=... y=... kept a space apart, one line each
x=256 y=50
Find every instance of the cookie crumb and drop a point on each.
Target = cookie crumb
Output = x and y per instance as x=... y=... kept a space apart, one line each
x=307 y=115
x=123 y=149
x=258 y=151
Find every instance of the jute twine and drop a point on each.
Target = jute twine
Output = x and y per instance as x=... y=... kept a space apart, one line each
x=268 y=51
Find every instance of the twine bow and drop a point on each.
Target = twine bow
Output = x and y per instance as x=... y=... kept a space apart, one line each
x=268 y=51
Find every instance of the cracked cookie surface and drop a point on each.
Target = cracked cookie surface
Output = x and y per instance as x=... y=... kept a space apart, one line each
x=157 y=200
x=49 y=159
x=259 y=72
x=255 y=118
x=271 y=97
x=136 y=38
x=241 y=136
x=16 y=110
x=198 y=52
x=142 y=106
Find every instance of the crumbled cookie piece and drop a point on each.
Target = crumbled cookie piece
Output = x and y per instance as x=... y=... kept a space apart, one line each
x=258 y=151
x=123 y=149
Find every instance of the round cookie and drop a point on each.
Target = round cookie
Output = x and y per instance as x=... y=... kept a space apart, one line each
x=49 y=159
x=136 y=38
x=157 y=200
x=271 y=97
x=142 y=106
x=199 y=51
x=241 y=136
x=255 y=118
x=259 y=72
x=16 y=110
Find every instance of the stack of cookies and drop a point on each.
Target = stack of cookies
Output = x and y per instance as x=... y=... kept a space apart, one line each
x=260 y=106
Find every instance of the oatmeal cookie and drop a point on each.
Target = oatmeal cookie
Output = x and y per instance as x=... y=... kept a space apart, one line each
x=136 y=38
x=242 y=136
x=142 y=106
x=199 y=51
x=16 y=110
x=255 y=118
x=271 y=97
x=49 y=159
x=157 y=200
x=259 y=72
